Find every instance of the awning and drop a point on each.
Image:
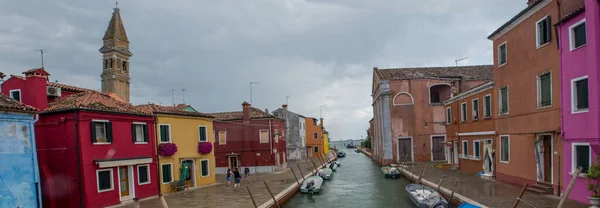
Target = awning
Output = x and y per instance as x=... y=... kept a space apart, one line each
x=105 y=163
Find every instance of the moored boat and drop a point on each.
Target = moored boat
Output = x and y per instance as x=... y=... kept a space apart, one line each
x=390 y=172
x=325 y=173
x=357 y=150
x=425 y=197
x=338 y=163
x=311 y=185
x=341 y=154
x=332 y=166
x=467 y=205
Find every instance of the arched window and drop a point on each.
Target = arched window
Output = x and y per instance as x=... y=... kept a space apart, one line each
x=124 y=65
x=403 y=98
x=105 y=63
x=111 y=63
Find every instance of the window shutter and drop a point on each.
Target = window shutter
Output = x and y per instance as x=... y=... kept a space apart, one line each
x=133 y=133
x=145 y=128
x=93 y=129
x=108 y=126
x=546 y=95
x=548 y=29
x=582 y=94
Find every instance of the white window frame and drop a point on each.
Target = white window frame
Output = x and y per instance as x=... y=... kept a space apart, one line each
x=112 y=183
x=500 y=145
x=574 y=154
x=539 y=90
x=500 y=55
x=105 y=133
x=500 y=101
x=538 y=33
x=147 y=172
x=463 y=112
x=464 y=154
x=473 y=109
x=207 y=167
x=574 y=109
x=143 y=136
x=205 y=133
x=448 y=116
x=484 y=106
x=20 y=94
x=170 y=130
x=162 y=176
x=219 y=137
x=260 y=136
x=572 y=34
x=475 y=157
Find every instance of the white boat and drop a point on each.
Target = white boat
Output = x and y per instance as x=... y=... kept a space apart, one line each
x=338 y=163
x=425 y=197
x=325 y=173
x=333 y=166
x=311 y=185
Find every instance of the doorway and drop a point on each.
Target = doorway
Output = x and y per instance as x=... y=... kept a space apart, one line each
x=277 y=161
x=233 y=162
x=455 y=153
x=126 y=183
x=188 y=171
x=543 y=156
x=488 y=157
x=405 y=149
x=309 y=151
x=437 y=148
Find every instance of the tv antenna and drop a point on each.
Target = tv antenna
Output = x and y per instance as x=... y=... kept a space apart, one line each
x=183 y=95
x=460 y=59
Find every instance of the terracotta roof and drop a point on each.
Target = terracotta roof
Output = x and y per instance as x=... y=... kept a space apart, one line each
x=476 y=72
x=571 y=15
x=521 y=13
x=17 y=76
x=9 y=104
x=255 y=113
x=38 y=70
x=69 y=87
x=171 y=110
x=92 y=100
x=2 y=75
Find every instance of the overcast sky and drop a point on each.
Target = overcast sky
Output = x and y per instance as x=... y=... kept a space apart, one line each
x=318 y=52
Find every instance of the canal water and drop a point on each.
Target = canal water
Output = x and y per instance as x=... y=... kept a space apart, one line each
x=357 y=183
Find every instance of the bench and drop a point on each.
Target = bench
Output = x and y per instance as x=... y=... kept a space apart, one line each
x=177 y=186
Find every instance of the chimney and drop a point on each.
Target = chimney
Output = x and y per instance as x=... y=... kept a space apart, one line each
x=34 y=93
x=284 y=106
x=246 y=111
x=321 y=124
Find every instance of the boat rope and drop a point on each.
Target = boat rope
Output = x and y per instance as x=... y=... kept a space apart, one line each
x=526 y=202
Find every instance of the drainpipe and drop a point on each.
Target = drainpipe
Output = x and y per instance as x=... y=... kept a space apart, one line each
x=36 y=173
x=271 y=144
x=78 y=156
x=159 y=181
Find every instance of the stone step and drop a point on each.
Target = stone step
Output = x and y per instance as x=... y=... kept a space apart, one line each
x=544 y=183
x=536 y=191
x=544 y=187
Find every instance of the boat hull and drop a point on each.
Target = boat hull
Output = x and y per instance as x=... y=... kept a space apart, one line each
x=437 y=200
x=315 y=188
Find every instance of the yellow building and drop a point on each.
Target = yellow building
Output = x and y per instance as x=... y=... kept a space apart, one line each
x=185 y=129
x=325 y=141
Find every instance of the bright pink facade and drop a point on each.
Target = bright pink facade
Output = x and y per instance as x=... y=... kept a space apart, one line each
x=242 y=146
x=68 y=159
x=580 y=128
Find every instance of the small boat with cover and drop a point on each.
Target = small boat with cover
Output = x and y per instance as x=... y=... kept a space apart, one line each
x=311 y=185
x=338 y=163
x=390 y=172
x=425 y=197
x=332 y=166
x=341 y=154
x=325 y=173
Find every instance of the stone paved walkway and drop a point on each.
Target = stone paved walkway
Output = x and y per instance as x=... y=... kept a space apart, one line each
x=487 y=192
x=222 y=195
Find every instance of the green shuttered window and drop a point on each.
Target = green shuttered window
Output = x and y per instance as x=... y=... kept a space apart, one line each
x=202 y=132
x=165 y=133
x=504 y=100
x=167 y=175
x=545 y=90
x=582 y=157
x=581 y=94
x=205 y=168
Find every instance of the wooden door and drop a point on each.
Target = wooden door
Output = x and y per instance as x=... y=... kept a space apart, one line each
x=404 y=150
x=437 y=148
x=547 y=159
x=124 y=181
x=233 y=162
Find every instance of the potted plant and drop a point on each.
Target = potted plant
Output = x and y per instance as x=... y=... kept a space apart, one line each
x=204 y=147
x=167 y=149
x=593 y=179
x=102 y=140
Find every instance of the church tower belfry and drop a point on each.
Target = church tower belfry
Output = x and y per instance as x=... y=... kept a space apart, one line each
x=115 y=58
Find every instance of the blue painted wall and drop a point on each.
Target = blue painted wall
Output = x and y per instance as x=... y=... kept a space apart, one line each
x=19 y=174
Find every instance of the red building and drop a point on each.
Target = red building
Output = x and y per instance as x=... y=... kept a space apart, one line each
x=93 y=149
x=249 y=138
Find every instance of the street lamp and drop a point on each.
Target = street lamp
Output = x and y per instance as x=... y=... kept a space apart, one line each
x=251 y=83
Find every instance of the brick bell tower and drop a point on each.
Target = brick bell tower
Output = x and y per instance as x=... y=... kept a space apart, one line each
x=115 y=58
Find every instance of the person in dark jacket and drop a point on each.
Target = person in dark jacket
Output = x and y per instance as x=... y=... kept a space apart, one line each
x=247 y=174
x=228 y=174
x=237 y=177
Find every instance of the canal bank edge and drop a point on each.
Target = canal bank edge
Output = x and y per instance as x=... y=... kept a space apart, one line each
x=444 y=191
x=285 y=195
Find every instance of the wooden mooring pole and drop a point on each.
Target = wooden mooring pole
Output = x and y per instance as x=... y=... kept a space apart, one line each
x=421 y=176
x=300 y=169
x=136 y=202
x=402 y=164
x=564 y=197
x=294 y=172
x=163 y=201
x=251 y=197
x=271 y=193
x=520 y=195
x=440 y=184
x=316 y=169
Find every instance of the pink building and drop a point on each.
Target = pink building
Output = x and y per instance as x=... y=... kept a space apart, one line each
x=579 y=62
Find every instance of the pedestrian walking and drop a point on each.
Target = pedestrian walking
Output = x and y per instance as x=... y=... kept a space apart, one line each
x=247 y=174
x=237 y=177
x=228 y=174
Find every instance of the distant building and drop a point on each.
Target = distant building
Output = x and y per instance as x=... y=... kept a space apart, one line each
x=19 y=173
x=249 y=138
x=295 y=136
x=408 y=110
x=314 y=142
x=579 y=49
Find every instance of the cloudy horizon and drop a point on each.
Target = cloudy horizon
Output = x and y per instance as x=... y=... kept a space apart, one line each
x=317 y=52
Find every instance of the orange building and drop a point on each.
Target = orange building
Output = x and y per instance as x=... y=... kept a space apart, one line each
x=314 y=137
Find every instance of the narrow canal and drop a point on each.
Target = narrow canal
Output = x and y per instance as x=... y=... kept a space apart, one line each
x=357 y=183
